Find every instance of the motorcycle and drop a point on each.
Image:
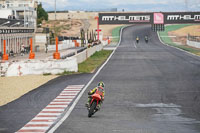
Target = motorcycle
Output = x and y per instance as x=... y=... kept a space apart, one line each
x=96 y=99
x=146 y=40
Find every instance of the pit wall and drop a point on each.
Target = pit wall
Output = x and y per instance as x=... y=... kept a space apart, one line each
x=34 y=67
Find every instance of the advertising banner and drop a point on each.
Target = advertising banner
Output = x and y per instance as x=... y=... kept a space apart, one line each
x=125 y=18
x=181 y=17
x=149 y=18
x=158 y=18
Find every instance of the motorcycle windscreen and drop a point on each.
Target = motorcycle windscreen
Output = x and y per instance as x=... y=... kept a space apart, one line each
x=96 y=96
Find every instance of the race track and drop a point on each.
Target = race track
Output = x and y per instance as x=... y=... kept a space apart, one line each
x=150 y=88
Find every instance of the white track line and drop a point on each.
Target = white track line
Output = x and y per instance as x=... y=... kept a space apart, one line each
x=45 y=118
x=82 y=92
x=53 y=110
x=50 y=114
x=57 y=106
x=39 y=128
x=41 y=123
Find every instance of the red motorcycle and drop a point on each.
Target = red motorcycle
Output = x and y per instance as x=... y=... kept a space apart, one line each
x=96 y=99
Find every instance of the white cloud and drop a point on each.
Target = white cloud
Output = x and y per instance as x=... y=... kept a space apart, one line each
x=51 y=3
x=97 y=4
x=135 y=2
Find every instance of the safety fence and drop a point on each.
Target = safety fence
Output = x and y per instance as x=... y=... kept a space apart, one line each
x=193 y=38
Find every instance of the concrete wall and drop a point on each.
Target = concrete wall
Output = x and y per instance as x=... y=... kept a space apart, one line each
x=40 y=41
x=193 y=44
x=30 y=67
x=72 y=15
x=87 y=53
x=81 y=57
x=64 y=45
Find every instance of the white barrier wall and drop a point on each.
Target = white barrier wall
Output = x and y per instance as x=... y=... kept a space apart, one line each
x=193 y=44
x=65 y=45
x=82 y=56
x=30 y=67
x=91 y=51
x=99 y=47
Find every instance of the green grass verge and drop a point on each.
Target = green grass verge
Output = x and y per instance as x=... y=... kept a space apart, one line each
x=164 y=37
x=116 y=34
x=94 y=61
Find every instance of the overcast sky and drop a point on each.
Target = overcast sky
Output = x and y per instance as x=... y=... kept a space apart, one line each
x=128 y=5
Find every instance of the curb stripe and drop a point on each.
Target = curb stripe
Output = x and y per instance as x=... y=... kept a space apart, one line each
x=49 y=115
x=37 y=125
x=29 y=131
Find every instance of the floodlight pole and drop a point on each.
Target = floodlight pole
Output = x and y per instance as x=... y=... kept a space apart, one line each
x=55 y=9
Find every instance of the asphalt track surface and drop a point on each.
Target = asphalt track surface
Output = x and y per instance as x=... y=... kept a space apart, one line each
x=15 y=115
x=150 y=88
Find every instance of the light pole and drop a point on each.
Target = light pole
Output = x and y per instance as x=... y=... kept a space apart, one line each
x=55 y=9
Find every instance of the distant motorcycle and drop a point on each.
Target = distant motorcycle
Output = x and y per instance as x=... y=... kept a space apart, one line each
x=137 y=39
x=96 y=99
x=146 y=39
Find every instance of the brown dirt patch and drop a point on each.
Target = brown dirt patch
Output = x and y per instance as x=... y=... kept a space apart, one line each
x=12 y=88
x=181 y=34
x=192 y=30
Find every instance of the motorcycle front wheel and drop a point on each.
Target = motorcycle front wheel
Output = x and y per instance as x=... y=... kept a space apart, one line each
x=92 y=109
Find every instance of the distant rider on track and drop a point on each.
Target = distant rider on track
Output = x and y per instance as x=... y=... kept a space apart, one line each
x=137 y=39
x=146 y=39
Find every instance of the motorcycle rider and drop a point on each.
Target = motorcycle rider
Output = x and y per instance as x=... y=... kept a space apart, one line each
x=137 y=39
x=100 y=87
x=146 y=38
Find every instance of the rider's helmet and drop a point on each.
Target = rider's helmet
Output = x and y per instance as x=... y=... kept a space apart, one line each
x=101 y=84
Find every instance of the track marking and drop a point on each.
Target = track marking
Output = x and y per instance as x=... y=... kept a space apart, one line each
x=50 y=114
x=82 y=92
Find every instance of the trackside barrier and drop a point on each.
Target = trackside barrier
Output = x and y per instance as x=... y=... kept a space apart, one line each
x=64 y=45
x=82 y=56
x=33 y=67
x=30 y=67
x=193 y=44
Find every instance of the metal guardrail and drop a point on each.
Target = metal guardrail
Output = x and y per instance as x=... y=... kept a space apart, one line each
x=74 y=53
x=193 y=38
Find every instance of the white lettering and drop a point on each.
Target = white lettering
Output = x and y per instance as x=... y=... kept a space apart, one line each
x=172 y=17
x=197 y=17
x=124 y=18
